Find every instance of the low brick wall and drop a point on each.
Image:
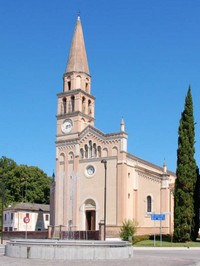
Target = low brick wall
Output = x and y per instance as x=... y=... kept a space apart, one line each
x=112 y=231
x=151 y=230
x=22 y=234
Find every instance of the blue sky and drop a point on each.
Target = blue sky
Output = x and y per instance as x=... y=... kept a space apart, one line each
x=142 y=57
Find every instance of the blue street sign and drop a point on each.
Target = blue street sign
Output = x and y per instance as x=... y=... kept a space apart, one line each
x=158 y=217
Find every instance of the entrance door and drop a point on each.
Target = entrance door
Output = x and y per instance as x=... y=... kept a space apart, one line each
x=90 y=220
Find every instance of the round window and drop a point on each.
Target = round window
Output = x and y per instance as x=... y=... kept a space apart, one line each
x=90 y=170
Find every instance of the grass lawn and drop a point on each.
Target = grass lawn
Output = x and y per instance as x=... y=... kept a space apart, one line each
x=166 y=243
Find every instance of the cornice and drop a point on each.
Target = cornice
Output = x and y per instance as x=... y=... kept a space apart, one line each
x=97 y=159
x=74 y=72
x=149 y=176
x=74 y=114
x=102 y=135
x=75 y=92
x=67 y=142
x=139 y=160
x=148 y=171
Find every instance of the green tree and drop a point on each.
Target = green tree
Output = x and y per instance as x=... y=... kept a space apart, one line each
x=6 y=166
x=186 y=175
x=24 y=183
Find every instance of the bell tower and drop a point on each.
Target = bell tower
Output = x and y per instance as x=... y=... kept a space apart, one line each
x=75 y=112
x=75 y=104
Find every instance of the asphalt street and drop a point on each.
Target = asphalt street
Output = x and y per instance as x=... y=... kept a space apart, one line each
x=142 y=257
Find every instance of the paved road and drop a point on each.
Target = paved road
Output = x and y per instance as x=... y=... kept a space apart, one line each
x=167 y=257
x=142 y=257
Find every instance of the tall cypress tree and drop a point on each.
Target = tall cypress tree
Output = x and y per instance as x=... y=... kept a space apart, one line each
x=184 y=212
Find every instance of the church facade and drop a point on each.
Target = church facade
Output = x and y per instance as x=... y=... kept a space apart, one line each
x=95 y=175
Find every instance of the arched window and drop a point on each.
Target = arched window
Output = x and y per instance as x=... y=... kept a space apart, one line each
x=149 y=204
x=71 y=156
x=114 y=151
x=64 y=105
x=69 y=85
x=99 y=151
x=87 y=86
x=83 y=104
x=62 y=162
x=89 y=107
x=73 y=102
x=105 y=152
x=94 y=150
x=82 y=153
x=90 y=149
x=86 y=151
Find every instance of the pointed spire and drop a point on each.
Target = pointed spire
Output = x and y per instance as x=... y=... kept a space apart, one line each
x=164 y=167
x=77 y=60
x=122 y=125
x=53 y=176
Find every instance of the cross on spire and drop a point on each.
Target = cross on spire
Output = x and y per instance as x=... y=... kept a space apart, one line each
x=79 y=14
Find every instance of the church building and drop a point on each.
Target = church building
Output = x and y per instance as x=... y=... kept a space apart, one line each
x=96 y=178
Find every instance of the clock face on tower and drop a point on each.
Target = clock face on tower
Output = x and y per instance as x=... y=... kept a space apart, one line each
x=67 y=126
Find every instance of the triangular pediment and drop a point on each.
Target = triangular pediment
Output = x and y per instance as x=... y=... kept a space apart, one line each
x=91 y=132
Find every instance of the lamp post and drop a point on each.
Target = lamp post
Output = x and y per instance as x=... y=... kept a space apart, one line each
x=105 y=167
x=2 y=201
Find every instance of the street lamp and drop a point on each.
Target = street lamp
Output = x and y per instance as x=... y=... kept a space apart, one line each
x=105 y=167
x=2 y=201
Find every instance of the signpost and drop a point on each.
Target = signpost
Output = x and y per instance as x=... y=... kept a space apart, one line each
x=157 y=217
x=26 y=221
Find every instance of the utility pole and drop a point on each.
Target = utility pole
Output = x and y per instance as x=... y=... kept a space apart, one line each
x=105 y=167
x=2 y=206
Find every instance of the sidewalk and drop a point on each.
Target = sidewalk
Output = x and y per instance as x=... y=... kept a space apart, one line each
x=166 y=248
x=2 y=249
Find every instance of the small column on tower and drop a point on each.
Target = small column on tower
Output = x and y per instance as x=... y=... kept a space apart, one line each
x=124 y=136
x=122 y=125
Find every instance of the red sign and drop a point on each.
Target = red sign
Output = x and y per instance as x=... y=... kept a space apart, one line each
x=26 y=220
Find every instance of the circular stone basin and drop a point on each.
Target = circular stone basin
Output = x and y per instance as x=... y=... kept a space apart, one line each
x=68 y=249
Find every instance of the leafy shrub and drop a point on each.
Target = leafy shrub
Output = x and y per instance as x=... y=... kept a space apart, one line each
x=128 y=230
